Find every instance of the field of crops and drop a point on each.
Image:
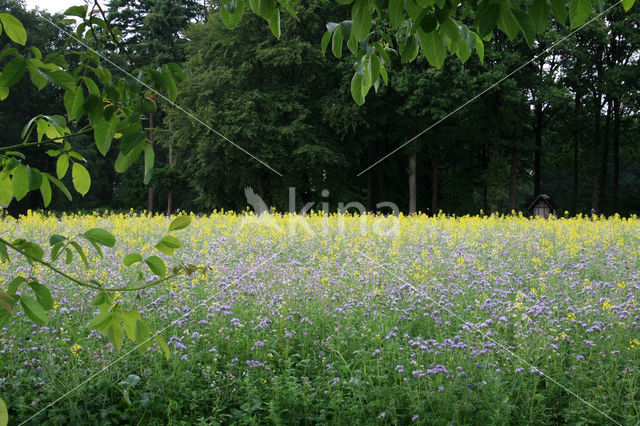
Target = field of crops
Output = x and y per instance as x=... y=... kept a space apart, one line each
x=342 y=320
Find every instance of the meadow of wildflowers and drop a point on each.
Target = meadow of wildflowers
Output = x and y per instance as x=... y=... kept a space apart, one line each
x=343 y=320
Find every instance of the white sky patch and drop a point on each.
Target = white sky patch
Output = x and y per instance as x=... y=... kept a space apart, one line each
x=54 y=6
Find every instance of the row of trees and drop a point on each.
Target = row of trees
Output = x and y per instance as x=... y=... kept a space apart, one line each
x=564 y=124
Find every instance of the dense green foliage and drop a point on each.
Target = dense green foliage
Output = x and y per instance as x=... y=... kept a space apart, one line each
x=537 y=131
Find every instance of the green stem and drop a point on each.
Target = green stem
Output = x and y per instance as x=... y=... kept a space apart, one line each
x=41 y=143
x=85 y=284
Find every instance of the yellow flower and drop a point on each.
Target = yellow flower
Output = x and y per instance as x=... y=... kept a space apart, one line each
x=74 y=349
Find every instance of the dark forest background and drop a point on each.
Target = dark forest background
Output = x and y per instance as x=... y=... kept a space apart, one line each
x=565 y=125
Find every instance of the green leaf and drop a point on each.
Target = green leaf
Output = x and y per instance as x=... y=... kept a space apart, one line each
x=129 y=142
x=61 y=186
x=100 y=236
x=526 y=26
x=115 y=333
x=32 y=250
x=43 y=295
x=15 y=283
x=81 y=178
x=81 y=253
x=35 y=178
x=6 y=190
x=149 y=106
x=231 y=14
x=103 y=132
x=126 y=160
x=34 y=310
x=20 y=181
x=382 y=52
x=103 y=298
x=163 y=346
x=326 y=38
x=62 y=165
x=266 y=9
x=396 y=13
x=4 y=254
x=172 y=89
x=55 y=251
x=362 y=19
x=539 y=12
x=73 y=101
x=451 y=30
x=480 y=48
x=168 y=245
x=409 y=51
x=347 y=28
x=69 y=256
x=179 y=222
x=627 y=4
x=414 y=10
x=142 y=336
x=4 y=414
x=579 y=11
x=60 y=79
x=132 y=258
x=274 y=24
x=149 y=158
x=13 y=71
x=42 y=126
x=156 y=265
x=433 y=47
x=37 y=78
x=4 y=93
x=336 y=45
x=357 y=88
x=427 y=21
x=175 y=70
x=129 y=319
x=98 y=321
x=14 y=28
x=45 y=191
x=507 y=21
x=487 y=18
x=79 y=11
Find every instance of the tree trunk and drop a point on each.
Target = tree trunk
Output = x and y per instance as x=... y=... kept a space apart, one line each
x=170 y=192
x=616 y=154
x=412 y=170
x=538 y=150
x=151 y=140
x=369 y=189
x=576 y=138
x=604 y=163
x=434 y=184
x=380 y=172
x=595 y=194
x=412 y=179
x=513 y=174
